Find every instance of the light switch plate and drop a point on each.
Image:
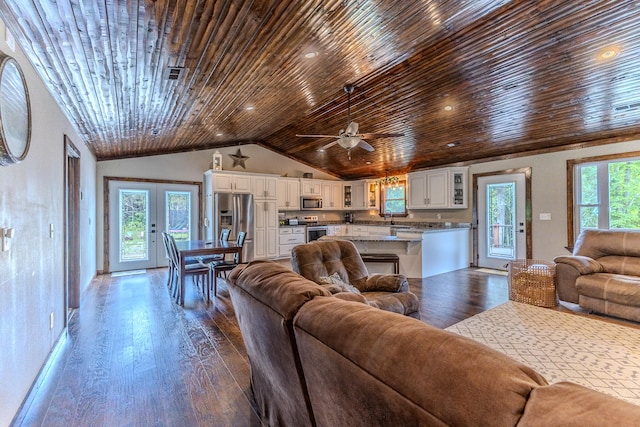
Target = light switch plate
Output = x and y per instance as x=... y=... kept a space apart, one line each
x=545 y=217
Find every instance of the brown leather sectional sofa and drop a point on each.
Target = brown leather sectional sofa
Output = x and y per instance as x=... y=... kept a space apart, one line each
x=603 y=273
x=319 y=360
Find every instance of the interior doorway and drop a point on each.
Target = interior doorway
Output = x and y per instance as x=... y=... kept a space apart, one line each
x=72 y=197
x=502 y=217
x=138 y=212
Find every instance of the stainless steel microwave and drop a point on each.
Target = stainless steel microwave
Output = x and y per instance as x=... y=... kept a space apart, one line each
x=310 y=202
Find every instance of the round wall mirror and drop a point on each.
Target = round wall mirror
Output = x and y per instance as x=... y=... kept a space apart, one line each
x=15 y=112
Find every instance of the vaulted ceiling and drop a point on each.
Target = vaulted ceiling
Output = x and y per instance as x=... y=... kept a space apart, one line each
x=462 y=80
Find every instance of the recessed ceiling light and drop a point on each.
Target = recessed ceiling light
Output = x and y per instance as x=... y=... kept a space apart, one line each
x=311 y=55
x=609 y=52
x=218 y=134
x=448 y=108
x=453 y=144
x=368 y=163
x=250 y=108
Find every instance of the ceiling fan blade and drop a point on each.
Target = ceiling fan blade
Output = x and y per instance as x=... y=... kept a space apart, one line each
x=379 y=135
x=318 y=136
x=352 y=129
x=365 y=145
x=331 y=144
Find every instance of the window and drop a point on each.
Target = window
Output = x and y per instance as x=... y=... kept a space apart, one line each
x=606 y=194
x=393 y=200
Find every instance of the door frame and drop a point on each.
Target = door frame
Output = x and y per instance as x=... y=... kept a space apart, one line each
x=106 y=188
x=72 y=197
x=527 y=212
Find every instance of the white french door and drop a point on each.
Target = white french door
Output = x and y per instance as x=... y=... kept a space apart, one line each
x=138 y=212
x=502 y=234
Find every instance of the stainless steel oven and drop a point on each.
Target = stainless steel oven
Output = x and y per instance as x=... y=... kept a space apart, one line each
x=314 y=232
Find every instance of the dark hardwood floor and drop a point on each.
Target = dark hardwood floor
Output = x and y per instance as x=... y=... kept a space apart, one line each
x=134 y=358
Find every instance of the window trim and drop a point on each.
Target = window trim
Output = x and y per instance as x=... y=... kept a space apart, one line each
x=382 y=198
x=571 y=168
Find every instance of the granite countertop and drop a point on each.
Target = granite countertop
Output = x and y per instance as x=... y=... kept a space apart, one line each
x=373 y=238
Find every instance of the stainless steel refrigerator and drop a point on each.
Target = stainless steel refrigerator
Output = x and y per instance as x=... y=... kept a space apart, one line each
x=235 y=212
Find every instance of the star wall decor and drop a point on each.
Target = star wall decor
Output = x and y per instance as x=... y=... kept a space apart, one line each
x=239 y=159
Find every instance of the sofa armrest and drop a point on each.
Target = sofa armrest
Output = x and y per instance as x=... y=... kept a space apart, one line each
x=583 y=264
x=383 y=283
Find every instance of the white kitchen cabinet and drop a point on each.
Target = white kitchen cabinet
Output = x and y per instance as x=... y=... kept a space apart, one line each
x=437 y=189
x=359 y=230
x=290 y=237
x=458 y=180
x=372 y=194
x=264 y=186
x=417 y=190
x=347 y=192
x=230 y=182
x=358 y=195
x=311 y=187
x=288 y=194
x=331 y=195
x=265 y=239
x=378 y=230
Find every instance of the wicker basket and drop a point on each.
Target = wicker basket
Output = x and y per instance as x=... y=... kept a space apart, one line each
x=533 y=282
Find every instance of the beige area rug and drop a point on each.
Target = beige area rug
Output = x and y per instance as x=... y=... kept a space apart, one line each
x=562 y=347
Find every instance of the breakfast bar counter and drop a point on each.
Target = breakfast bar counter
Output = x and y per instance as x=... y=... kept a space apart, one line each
x=422 y=252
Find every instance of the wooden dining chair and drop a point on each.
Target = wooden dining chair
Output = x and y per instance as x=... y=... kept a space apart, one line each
x=223 y=266
x=198 y=272
x=224 y=237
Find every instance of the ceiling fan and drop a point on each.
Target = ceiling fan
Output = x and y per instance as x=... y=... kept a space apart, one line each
x=350 y=138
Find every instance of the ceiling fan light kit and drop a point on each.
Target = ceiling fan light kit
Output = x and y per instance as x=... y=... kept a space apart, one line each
x=349 y=138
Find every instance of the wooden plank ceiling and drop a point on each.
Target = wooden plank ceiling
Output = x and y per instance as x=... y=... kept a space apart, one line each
x=515 y=76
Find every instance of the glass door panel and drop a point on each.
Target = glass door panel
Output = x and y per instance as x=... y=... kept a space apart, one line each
x=133 y=230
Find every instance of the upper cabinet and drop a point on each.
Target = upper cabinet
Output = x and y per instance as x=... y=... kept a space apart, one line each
x=438 y=189
x=458 y=178
x=230 y=182
x=331 y=195
x=358 y=196
x=288 y=194
x=372 y=194
x=311 y=187
x=264 y=186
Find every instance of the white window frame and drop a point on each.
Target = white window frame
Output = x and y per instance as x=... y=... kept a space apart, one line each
x=602 y=178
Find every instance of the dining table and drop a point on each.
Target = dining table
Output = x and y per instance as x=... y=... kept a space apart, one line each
x=194 y=248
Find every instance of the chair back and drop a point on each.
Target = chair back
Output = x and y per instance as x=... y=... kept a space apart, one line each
x=224 y=234
x=172 y=249
x=325 y=257
x=239 y=241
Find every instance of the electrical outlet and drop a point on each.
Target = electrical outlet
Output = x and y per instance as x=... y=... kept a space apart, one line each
x=51 y=321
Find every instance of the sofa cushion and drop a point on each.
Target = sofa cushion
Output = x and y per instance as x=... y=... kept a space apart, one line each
x=368 y=367
x=616 y=288
x=618 y=264
x=567 y=404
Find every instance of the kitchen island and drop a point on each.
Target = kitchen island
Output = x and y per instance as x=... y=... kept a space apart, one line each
x=422 y=252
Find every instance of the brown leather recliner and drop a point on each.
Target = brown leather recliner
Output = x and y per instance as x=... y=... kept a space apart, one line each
x=323 y=258
x=603 y=273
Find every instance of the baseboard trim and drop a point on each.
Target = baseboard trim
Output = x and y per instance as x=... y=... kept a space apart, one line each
x=42 y=376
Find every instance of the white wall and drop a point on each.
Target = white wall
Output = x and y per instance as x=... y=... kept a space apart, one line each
x=190 y=166
x=31 y=279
